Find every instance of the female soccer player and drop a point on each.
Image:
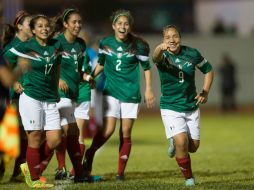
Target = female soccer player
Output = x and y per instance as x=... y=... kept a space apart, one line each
x=40 y=93
x=179 y=101
x=14 y=36
x=71 y=75
x=119 y=56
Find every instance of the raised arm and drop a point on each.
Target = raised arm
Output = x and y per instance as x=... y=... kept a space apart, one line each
x=158 y=52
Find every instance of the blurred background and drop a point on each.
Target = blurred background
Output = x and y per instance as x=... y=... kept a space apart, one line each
x=222 y=30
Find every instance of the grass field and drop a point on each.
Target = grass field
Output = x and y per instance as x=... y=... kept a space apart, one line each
x=225 y=159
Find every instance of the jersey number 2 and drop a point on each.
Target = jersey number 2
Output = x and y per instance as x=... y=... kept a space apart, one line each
x=118 y=65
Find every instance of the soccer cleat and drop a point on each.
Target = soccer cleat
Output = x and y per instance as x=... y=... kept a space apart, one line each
x=88 y=179
x=190 y=182
x=43 y=179
x=61 y=174
x=93 y=178
x=25 y=171
x=171 y=148
x=39 y=184
x=87 y=167
x=120 y=178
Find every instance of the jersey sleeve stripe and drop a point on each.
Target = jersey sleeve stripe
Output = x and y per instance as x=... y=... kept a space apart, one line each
x=201 y=63
x=142 y=57
x=102 y=51
x=13 y=50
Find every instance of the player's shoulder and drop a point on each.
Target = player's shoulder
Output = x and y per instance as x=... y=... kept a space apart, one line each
x=80 y=40
x=190 y=51
x=142 y=46
x=107 y=40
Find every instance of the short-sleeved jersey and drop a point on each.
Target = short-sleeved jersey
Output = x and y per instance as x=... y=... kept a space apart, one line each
x=177 y=75
x=71 y=65
x=121 y=68
x=12 y=60
x=41 y=81
x=84 y=86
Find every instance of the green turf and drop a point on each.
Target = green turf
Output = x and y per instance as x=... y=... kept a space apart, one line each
x=223 y=161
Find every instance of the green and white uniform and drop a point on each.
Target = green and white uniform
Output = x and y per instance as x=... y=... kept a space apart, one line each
x=71 y=69
x=84 y=95
x=40 y=85
x=177 y=75
x=121 y=68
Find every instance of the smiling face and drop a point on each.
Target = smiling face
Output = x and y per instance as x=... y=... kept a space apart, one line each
x=122 y=28
x=172 y=37
x=41 y=30
x=73 y=25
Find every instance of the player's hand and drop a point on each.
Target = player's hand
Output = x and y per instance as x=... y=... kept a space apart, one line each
x=164 y=46
x=202 y=97
x=149 y=99
x=63 y=86
x=18 y=88
x=24 y=64
x=92 y=83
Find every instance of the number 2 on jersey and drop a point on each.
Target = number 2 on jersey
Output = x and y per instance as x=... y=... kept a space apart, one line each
x=118 y=64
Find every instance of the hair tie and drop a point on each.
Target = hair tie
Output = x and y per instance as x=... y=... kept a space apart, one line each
x=66 y=12
x=120 y=14
x=20 y=17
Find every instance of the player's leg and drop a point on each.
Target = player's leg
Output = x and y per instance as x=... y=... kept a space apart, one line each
x=112 y=112
x=66 y=116
x=193 y=123
x=53 y=134
x=82 y=118
x=32 y=119
x=176 y=126
x=68 y=123
x=129 y=113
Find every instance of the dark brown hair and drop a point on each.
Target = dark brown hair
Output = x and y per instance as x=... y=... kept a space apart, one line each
x=10 y=30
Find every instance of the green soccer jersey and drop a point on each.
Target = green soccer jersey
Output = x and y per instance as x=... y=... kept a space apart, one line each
x=121 y=68
x=177 y=75
x=41 y=81
x=12 y=60
x=71 y=65
x=84 y=86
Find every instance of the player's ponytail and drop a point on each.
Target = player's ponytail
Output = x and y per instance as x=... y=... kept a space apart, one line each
x=134 y=40
x=8 y=34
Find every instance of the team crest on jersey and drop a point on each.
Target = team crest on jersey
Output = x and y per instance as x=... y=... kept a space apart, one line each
x=75 y=57
x=47 y=59
x=119 y=55
x=188 y=64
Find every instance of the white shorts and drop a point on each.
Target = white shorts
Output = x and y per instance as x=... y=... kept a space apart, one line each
x=115 y=108
x=66 y=109
x=38 y=115
x=82 y=110
x=179 y=122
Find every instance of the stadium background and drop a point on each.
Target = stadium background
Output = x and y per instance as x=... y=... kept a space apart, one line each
x=195 y=18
